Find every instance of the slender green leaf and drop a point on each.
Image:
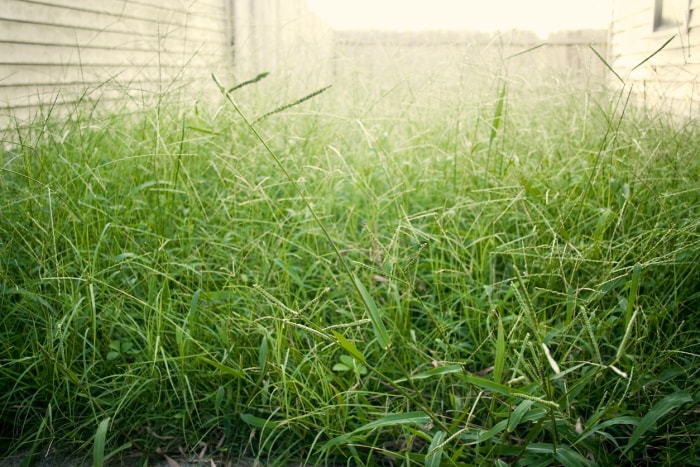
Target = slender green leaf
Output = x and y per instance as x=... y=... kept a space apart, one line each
x=262 y=354
x=661 y=408
x=485 y=435
x=408 y=418
x=100 y=442
x=523 y=52
x=568 y=457
x=506 y=391
x=432 y=459
x=500 y=353
x=564 y=454
x=663 y=46
x=223 y=368
x=258 y=422
x=380 y=331
x=338 y=440
x=489 y=385
x=439 y=371
x=517 y=415
x=349 y=347
x=498 y=113
x=124 y=447
x=193 y=306
x=202 y=130
x=605 y=62
x=633 y=286
x=219 y=399
x=599 y=427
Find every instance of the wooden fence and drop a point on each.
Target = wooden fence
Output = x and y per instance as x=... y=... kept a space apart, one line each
x=472 y=60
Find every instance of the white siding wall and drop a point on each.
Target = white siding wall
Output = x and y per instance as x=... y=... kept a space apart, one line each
x=65 y=50
x=669 y=80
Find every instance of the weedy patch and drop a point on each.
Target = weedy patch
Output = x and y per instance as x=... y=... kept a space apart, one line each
x=508 y=281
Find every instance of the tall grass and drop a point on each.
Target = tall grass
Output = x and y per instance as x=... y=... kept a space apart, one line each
x=501 y=281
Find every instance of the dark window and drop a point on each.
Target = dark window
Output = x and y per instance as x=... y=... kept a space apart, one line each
x=670 y=14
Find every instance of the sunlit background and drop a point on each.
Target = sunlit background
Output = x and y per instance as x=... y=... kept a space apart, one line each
x=539 y=16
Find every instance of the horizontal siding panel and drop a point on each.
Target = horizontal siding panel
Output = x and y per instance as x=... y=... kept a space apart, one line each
x=627 y=8
x=198 y=16
x=42 y=96
x=16 y=10
x=624 y=65
x=207 y=7
x=639 y=20
x=40 y=13
x=49 y=35
x=121 y=8
x=29 y=76
x=30 y=95
x=668 y=75
x=30 y=54
x=679 y=93
x=108 y=102
x=629 y=44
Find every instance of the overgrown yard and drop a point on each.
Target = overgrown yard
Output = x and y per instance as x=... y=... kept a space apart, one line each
x=387 y=278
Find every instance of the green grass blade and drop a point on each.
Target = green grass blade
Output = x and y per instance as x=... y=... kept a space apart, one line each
x=567 y=456
x=417 y=418
x=500 y=353
x=564 y=454
x=489 y=385
x=498 y=113
x=262 y=354
x=349 y=347
x=625 y=338
x=484 y=435
x=434 y=456
x=258 y=422
x=605 y=62
x=523 y=52
x=377 y=324
x=663 y=46
x=660 y=409
x=100 y=442
x=517 y=415
x=632 y=293
x=506 y=391
x=439 y=371
x=223 y=368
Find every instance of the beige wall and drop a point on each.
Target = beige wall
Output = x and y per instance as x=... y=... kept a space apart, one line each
x=64 y=51
x=669 y=80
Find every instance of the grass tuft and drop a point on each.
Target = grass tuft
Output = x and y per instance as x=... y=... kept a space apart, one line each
x=361 y=279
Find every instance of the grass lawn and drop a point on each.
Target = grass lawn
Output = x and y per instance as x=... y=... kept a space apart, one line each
x=387 y=278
